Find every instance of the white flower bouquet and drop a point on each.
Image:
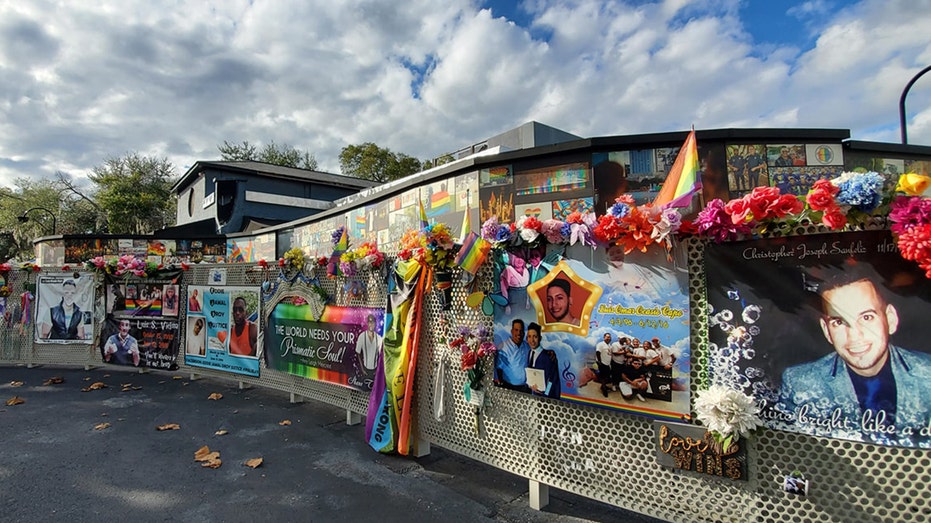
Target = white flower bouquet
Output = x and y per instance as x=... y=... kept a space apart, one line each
x=728 y=414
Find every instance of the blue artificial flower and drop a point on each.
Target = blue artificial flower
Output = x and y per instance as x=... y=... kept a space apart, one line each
x=503 y=234
x=619 y=210
x=566 y=230
x=860 y=190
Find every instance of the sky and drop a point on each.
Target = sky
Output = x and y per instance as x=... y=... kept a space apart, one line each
x=81 y=82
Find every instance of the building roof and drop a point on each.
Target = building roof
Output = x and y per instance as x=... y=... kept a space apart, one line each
x=272 y=171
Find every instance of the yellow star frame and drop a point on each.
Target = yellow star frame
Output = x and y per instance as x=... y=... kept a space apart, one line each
x=584 y=295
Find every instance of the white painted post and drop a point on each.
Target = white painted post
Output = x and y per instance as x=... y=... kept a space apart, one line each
x=539 y=495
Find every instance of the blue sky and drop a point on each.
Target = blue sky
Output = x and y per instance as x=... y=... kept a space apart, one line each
x=174 y=79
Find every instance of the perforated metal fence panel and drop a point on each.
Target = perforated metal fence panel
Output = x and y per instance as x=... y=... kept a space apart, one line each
x=599 y=454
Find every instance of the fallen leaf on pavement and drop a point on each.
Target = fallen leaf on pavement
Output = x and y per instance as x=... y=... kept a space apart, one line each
x=213 y=463
x=54 y=380
x=215 y=396
x=177 y=377
x=221 y=432
x=16 y=384
x=204 y=454
x=284 y=422
x=15 y=400
x=94 y=386
x=254 y=462
x=101 y=426
x=168 y=426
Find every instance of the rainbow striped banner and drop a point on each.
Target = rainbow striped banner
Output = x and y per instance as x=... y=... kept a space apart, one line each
x=683 y=180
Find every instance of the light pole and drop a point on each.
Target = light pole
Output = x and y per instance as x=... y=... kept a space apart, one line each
x=25 y=218
x=908 y=86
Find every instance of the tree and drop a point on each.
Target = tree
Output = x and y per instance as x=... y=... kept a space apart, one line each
x=134 y=192
x=35 y=208
x=284 y=155
x=371 y=162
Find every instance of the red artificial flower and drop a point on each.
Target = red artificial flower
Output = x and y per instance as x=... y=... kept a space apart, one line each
x=322 y=261
x=687 y=227
x=915 y=244
x=66 y=268
x=263 y=264
x=469 y=359
x=637 y=231
x=608 y=229
x=784 y=205
x=834 y=219
x=739 y=210
x=574 y=217
x=281 y=262
x=185 y=267
x=532 y=222
x=36 y=268
x=821 y=196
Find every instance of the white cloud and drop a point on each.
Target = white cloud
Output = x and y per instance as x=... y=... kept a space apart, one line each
x=175 y=79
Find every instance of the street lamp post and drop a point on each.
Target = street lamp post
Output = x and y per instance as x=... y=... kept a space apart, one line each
x=908 y=86
x=25 y=218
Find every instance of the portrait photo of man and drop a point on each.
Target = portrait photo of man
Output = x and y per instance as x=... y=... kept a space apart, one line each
x=559 y=302
x=65 y=321
x=121 y=347
x=243 y=332
x=830 y=345
x=64 y=310
x=866 y=374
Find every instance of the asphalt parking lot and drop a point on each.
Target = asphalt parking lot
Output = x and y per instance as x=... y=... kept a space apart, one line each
x=71 y=454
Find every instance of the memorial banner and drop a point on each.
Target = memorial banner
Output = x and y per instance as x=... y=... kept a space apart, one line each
x=64 y=308
x=141 y=326
x=341 y=347
x=827 y=332
x=222 y=329
x=614 y=335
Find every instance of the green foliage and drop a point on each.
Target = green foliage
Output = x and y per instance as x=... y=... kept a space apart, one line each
x=48 y=208
x=283 y=155
x=135 y=193
x=371 y=162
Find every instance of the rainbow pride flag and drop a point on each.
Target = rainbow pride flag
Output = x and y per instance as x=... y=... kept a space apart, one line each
x=473 y=252
x=683 y=180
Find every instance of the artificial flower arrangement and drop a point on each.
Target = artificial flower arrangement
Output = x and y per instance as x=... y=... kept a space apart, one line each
x=363 y=258
x=431 y=245
x=475 y=346
x=728 y=415
x=847 y=200
x=125 y=265
x=292 y=258
x=634 y=227
x=910 y=215
x=5 y=288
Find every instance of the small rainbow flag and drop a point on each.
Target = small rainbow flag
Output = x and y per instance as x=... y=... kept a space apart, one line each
x=683 y=181
x=332 y=269
x=473 y=253
x=466 y=220
x=423 y=215
x=343 y=244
